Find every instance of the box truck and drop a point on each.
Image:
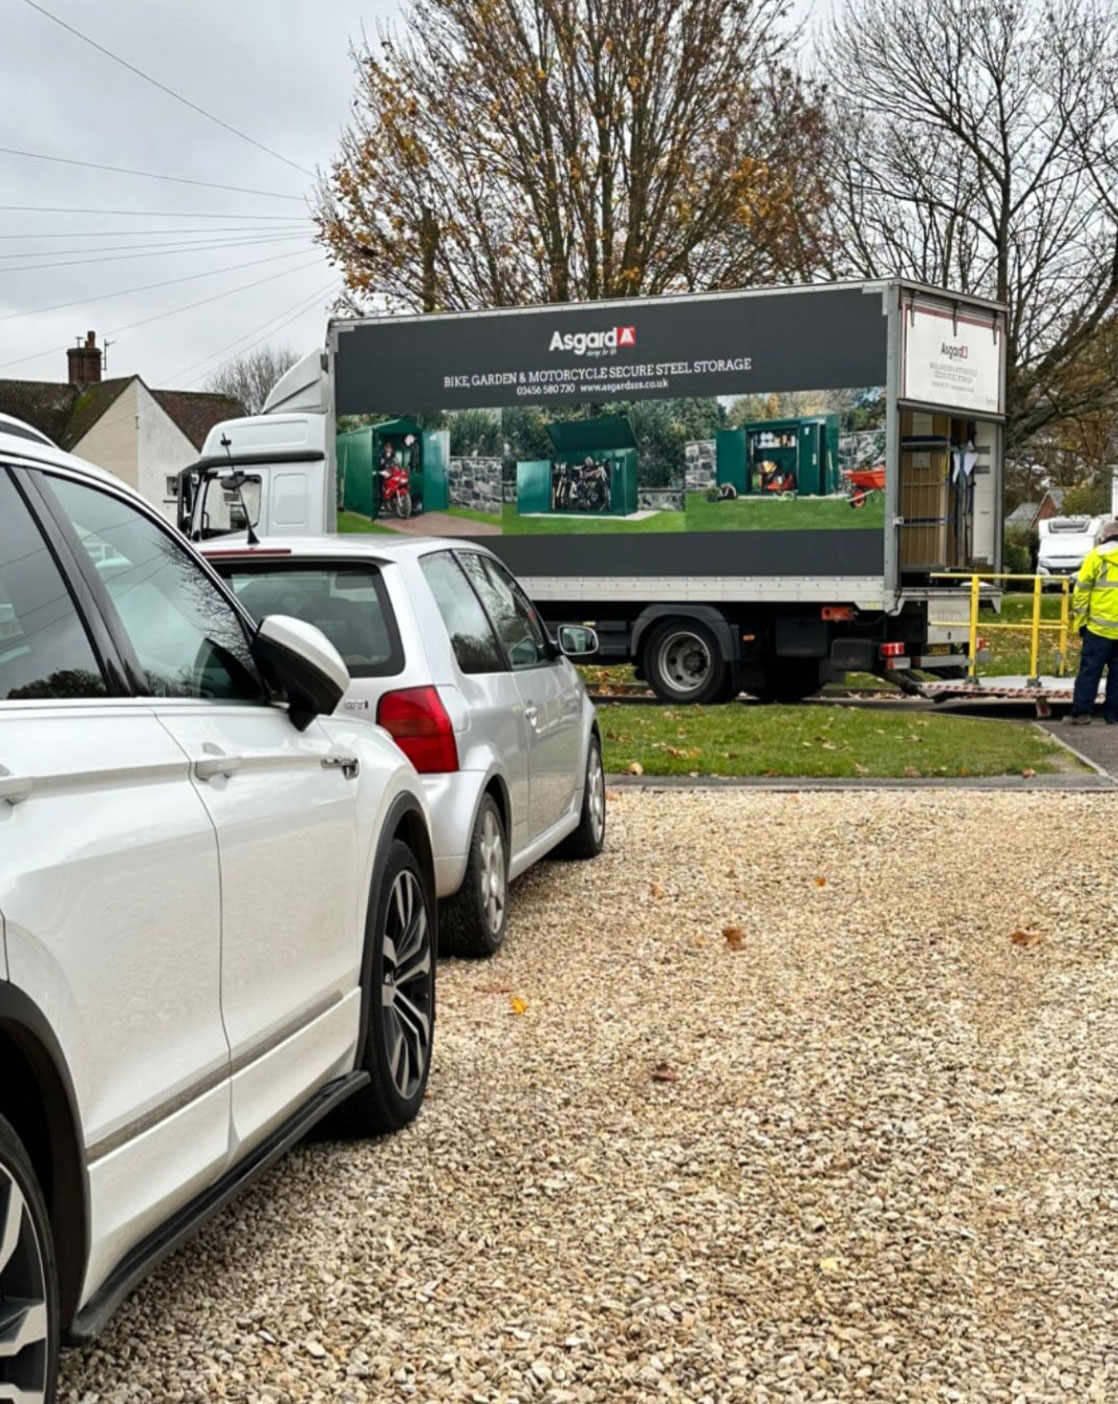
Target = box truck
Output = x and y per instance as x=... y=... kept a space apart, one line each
x=752 y=490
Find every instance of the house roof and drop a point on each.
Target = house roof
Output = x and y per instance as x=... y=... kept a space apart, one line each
x=1024 y=513
x=66 y=413
x=197 y=411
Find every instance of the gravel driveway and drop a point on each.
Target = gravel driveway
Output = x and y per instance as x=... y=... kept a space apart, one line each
x=872 y=1153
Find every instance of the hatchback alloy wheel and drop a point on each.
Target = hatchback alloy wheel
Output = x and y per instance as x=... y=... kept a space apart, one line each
x=24 y=1323
x=596 y=794
x=405 y=984
x=493 y=893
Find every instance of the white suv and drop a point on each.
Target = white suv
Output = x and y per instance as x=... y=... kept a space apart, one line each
x=217 y=916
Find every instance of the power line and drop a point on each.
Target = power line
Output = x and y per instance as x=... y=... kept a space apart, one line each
x=158 y=252
x=127 y=233
x=116 y=58
x=145 y=214
x=203 y=241
x=147 y=175
x=289 y=314
x=171 y=312
x=148 y=287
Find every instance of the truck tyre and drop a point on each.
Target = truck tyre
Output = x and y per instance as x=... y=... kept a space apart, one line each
x=400 y=1000
x=789 y=680
x=683 y=662
x=28 y=1280
x=588 y=840
x=473 y=922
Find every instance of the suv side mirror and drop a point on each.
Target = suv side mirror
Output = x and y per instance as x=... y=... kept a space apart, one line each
x=577 y=641
x=300 y=661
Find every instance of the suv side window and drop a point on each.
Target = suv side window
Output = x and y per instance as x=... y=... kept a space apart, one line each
x=471 y=635
x=514 y=618
x=189 y=640
x=44 y=649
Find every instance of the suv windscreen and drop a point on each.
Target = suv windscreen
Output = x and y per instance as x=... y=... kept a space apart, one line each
x=349 y=603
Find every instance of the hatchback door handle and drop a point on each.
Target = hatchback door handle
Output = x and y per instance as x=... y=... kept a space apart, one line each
x=350 y=766
x=14 y=788
x=217 y=763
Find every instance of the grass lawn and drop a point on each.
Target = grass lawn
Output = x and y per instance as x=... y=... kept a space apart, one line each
x=513 y=524
x=1009 y=648
x=812 y=741
x=469 y=514
x=782 y=514
x=354 y=522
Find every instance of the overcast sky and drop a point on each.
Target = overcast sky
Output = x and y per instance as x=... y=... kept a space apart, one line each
x=278 y=70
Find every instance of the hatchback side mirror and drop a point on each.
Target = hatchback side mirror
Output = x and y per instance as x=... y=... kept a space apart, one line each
x=301 y=662
x=577 y=641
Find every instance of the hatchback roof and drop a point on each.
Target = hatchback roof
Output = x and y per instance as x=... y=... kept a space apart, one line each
x=367 y=546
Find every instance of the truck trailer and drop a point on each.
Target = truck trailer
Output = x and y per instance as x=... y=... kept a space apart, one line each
x=756 y=490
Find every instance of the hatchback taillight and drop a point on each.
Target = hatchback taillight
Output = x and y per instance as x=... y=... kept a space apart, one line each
x=418 y=722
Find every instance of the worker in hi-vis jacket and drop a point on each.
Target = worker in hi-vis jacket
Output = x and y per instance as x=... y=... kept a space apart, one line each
x=1095 y=605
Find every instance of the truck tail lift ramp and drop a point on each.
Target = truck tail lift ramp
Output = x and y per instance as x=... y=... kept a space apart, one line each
x=1043 y=690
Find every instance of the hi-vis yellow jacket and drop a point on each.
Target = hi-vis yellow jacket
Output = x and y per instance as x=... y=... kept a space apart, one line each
x=1095 y=601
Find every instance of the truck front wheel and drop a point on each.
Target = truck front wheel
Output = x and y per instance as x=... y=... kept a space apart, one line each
x=682 y=662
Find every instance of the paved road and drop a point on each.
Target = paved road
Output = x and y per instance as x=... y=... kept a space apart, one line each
x=1098 y=742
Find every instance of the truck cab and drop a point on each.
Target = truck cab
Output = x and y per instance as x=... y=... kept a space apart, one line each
x=272 y=471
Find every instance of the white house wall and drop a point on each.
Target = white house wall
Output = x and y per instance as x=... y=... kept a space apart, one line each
x=164 y=451
x=112 y=442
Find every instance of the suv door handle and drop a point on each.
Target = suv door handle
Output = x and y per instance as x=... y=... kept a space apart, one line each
x=14 y=788
x=216 y=763
x=530 y=715
x=350 y=766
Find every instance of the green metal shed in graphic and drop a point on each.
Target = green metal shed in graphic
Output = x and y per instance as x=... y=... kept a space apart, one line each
x=427 y=459
x=806 y=447
x=607 y=440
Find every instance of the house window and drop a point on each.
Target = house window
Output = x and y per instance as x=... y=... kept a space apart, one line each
x=172 y=488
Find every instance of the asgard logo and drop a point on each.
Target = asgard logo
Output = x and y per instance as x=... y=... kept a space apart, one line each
x=593 y=343
x=954 y=353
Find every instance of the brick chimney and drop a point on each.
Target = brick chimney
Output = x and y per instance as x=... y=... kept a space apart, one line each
x=85 y=361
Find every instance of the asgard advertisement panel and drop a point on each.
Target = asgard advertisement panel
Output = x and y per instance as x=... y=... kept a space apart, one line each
x=747 y=424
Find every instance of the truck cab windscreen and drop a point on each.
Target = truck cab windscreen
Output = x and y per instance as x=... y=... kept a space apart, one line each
x=227 y=501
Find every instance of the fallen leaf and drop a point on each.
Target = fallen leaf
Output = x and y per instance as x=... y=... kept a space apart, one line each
x=828 y=746
x=655 y=890
x=821 y=882
x=771 y=772
x=517 y=1005
x=861 y=769
x=1026 y=938
x=1028 y=774
x=636 y=768
x=613 y=796
x=828 y=1265
x=911 y=773
x=733 y=936
x=495 y=989
x=664 y=1072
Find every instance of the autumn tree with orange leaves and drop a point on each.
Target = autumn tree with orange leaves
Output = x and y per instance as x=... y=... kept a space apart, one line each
x=519 y=151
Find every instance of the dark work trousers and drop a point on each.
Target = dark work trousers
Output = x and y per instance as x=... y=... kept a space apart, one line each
x=1098 y=653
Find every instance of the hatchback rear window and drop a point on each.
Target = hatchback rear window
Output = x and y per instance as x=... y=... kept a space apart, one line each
x=348 y=603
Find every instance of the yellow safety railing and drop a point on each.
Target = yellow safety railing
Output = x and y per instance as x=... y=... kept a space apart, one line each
x=1037 y=625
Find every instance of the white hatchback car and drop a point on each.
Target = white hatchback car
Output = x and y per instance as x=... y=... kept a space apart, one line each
x=447 y=653
x=217 y=909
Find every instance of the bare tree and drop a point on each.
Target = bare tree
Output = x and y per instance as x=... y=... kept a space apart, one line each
x=509 y=151
x=976 y=149
x=251 y=377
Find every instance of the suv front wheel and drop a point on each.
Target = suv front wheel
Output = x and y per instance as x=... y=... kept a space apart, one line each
x=400 y=999
x=28 y=1281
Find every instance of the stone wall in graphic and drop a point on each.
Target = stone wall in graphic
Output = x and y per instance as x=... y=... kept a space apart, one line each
x=476 y=483
x=699 y=471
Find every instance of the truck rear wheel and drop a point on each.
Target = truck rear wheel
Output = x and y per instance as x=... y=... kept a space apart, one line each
x=682 y=662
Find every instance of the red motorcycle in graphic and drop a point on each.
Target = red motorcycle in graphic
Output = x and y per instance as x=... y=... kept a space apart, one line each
x=395 y=492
